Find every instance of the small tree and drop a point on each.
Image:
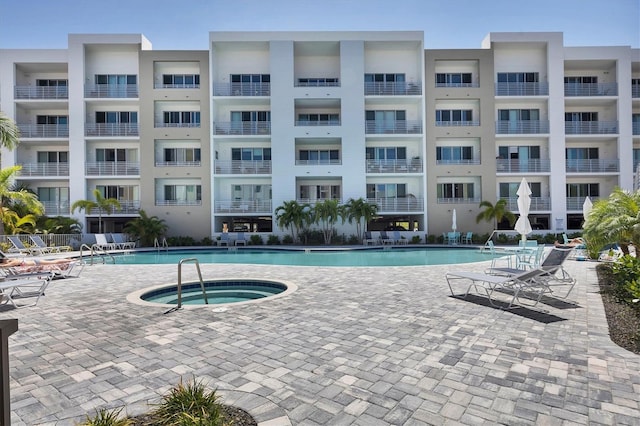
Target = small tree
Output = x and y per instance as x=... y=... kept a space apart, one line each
x=27 y=198
x=9 y=132
x=145 y=229
x=293 y=215
x=495 y=213
x=360 y=211
x=327 y=213
x=108 y=205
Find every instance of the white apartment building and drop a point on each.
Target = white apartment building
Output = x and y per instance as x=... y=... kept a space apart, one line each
x=218 y=139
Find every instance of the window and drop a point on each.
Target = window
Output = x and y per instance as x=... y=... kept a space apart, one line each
x=251 y=154
x=384 y=78
x=119 y=192
x=53 y=156
x=582 y=153
x=456 y=79
x=581 y=80
x=448 y=117
x=518 y=114
x=250 y=116
x=319 y=82
x=583 y=190
x=251 y=192
x=519 y=152
x=580 y=116
x=318 y=118
x=387 y=153
x=320 y=192
x=116 y=154
x=116 y=117
x=386 y=190
x=181 y=80
x=454 y=154
x=250 y=84
x=636 y=158
x=322 y=156
x=51 y=83
x=52 y=119
x=116 y=79
x=182 y=118
x=459 y=191
x=518 y=77
x=181 y=155
x=183 y=194
x=510 y=189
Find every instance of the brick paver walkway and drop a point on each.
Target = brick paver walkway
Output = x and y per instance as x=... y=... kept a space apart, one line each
x=364 y=346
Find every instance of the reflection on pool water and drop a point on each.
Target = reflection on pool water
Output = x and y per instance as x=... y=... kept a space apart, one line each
x=369 y=257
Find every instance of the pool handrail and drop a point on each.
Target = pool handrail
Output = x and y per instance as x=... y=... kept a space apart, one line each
x=179 y=288
x=92 y=251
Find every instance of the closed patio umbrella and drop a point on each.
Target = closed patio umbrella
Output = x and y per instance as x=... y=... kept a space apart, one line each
x=454 y=221
x=586 y=208
x=523 y=226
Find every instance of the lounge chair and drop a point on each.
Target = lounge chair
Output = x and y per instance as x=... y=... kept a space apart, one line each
x=397 y=238
x=384 y=238
x=121 y=243
x=468 y=238
x=368 y=239
x=102 y=243
x=240 y=239
x=224 y=239
x=19 y=247
x=38 y=242
x=23 y=286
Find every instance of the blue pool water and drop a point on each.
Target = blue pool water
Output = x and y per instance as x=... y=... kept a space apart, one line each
x=377 y=257
x=218 y=292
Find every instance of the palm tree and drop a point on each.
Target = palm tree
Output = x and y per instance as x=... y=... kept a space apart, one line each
x=495 y=212
x=146 y=229
x=26 y=198
x=360 y=211
x=108 y=205
x=16 y=224
x=293 y=215
x=327 y=213
x=9 y=133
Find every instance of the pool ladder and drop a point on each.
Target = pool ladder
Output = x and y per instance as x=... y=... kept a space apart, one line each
x=204 y=292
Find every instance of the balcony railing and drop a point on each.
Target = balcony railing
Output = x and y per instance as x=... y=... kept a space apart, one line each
x=407 y=204
x=243 y=167
x=537 y=203
x=126 y=207
x=111 y=91
x=314 y=201
x=400 y=127
x=532 y=165
x=590 y=127
x=44 y=130
x=521 y=127
x=242 y=206
x=457 y=123
x=178 y=164
x=576 y=203
x=392 y=88
x=55 y=208
x=160 y=124
x=242 y=89
x=41 y=92
x=635 y=90
x=592 y=166
x=475 y=84
x=635 y=128
x=591 y=89
x=319 y=162
x=111 y=129
x=44 y=169
x=394 y=166
x=522 y=89
x=112 y=168
x=176 y=86
x=458 y=200
x=242 y=128
x=178 y=202
x=459 y=161
x=317 y=123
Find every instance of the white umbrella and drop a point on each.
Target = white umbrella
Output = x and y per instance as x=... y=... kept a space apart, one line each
x=586 y=208
x=454 y=221
x=523 y=226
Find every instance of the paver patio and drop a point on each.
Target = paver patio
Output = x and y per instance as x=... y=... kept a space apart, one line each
x=363 y=346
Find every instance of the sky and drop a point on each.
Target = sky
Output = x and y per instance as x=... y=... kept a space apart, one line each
x=447 y=24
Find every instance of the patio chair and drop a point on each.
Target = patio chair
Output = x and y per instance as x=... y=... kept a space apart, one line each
x=19 y=247
x=384 y=238
x=23 y=286
x=397 y=238
x=468 y=238
x=368 y=239
x=102 y=243
x=39 y=242
x=121 y=243
x=240 y=239
x=224 y=239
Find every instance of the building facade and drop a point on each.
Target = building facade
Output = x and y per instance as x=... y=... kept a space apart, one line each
x=217 y=139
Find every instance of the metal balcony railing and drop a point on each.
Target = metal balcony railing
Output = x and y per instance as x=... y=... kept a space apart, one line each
x=241 y=89
x=178 y=202
x=55 y=208
x=112 y=168
x=111 y=129
x=458 y=200
x=475 y=84
x=44 y=130
x=41 y=92
x=591 y=89
x=126 y=207
x=160 y=124
x=178 y=163
x=44 y=169
x=635 y=128
x=242 y=128
x=520 y=127
x=537 y=203
x=242 y=206
x=319 y=162
x=314 y=201
x=590 y=127
x=532 y=165
x=394 y=166
x=406 y=204
x=392 y=88
x=459 y=161
x=243 y=167
x=522 y=89
x=457 y=123
x=315 y=123
x=576 y=203
x=176 y=86
x=393 y=127
x=111 y=91
x=635 y=90
x=592 y=166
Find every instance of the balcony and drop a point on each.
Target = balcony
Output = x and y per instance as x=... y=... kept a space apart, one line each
x=56 y=208
x=576 y=203
x=532 y=165
x=242 y=167
x=112 y=168
x=44 y=169
x=590 y=127
x=111 y=129
x=242 y=206
x=178 y=202
x=452 y=84
x=522 y=89
x=399 y=127
x=315 y=123
x=397 y=88
x=126 y=207
x=44 y=130
x=457 y=123
x=314 y=201
x=591 y=89
x=319 y=162
x=537 y=203
x=522 y=127
x=41 y=92
x=111 y=91
x=459 y=162
x=242 y=128
x=161 y=124
x=242 y=89
x=176 y=86
x=389 y=205
x=635 y=128
x=458 y=200
x=394 y=166
x=635 y=90
x=178 y=164
x=592 y=166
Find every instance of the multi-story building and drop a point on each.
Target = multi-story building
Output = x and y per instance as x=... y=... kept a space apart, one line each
x=217 y=139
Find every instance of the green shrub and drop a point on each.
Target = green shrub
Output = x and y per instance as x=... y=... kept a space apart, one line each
x=354 y=240
x=626 y=273
x=189 y=404
x=105 y=417
x=431 y=239
x=181 y=241
x=273 y=240
x=206 y=241
x=415 y=239
x=287 y=239
x=256 y=240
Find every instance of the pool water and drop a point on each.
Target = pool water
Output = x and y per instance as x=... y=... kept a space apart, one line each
x=218 y=292
x=370 y=257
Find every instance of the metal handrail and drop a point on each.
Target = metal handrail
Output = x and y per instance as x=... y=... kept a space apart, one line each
x=161 y=244
x=204 y=292
x=92 y=251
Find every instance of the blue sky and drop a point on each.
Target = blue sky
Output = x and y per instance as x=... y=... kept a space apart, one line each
x=171 y=24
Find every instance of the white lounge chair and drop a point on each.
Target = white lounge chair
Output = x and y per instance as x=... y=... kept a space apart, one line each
x=368 y=239
x=121 y=243
x=24 y=286
x=397 y=238
x=38 y=242
x=224 y=239
x=102 y=243
x=240 y=239
x=19 y=247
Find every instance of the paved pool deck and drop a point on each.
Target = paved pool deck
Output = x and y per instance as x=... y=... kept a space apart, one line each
x=362 y=346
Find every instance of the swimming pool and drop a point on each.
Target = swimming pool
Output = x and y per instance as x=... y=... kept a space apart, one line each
x=313 y=257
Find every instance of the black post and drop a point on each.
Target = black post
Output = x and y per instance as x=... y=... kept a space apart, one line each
x=7 y=328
